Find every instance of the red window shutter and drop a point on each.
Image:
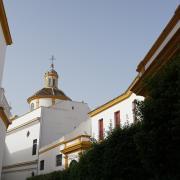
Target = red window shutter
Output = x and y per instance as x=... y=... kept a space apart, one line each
x=101 y=130
x=117 y=119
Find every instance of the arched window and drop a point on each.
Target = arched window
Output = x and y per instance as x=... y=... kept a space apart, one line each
x=49 y=81
x=32 y=106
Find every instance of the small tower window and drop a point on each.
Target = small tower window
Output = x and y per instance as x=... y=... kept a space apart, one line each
x=32 y=106
x=54 y=81
x=49 y=82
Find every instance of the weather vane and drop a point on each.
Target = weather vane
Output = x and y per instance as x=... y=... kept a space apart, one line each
x=52 y=61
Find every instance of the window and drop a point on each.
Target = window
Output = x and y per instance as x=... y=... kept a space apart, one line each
x=41 y=165
x=59 y=160
x=32 y=106
x=101 y=130
x=32 y=174
x=34 y=147
x=117 y=119
x=28 y=133
x=54 y=81
x=49 y=82
x=37 y=103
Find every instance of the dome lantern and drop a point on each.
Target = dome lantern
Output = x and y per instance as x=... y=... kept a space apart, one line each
x=51 y=77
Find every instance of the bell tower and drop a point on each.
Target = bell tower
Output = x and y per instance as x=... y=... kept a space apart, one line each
x=51 y=77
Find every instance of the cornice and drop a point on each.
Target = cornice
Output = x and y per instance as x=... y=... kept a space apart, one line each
x=22 y=164
x=4 y=23
x=174 y=20
x=50 y=148
x=47 y=96
x=61 y=143
x=77 y=147
x=23 y=125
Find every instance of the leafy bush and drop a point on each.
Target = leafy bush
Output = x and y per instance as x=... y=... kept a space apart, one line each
x=159 y=140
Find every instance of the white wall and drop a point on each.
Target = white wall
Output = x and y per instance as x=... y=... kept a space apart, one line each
x=25 y=118
x=18 y=147
x=126 y=115
x=2 y=54
x=2 y=126
x=49 y=158
x=45 y=123
x=83 y=129
x=19 y=174
x=61 y=119
x=2 y=140
x=43 y=102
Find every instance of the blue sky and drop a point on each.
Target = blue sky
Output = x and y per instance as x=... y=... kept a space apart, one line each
x=97 y=45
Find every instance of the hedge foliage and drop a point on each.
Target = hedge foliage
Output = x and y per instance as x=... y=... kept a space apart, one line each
x=147 y=150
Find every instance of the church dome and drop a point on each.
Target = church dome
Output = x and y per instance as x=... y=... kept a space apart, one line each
x=49 y=93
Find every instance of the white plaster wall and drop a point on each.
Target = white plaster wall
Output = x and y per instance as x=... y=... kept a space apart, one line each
x=19 y=147
x=25 y=118
x=126 y=115
x=46 y=102
x=19 y=175
x=2 y=142
x=83 y=129
x=49 y=158
x=61 y=119
x=2 y=54
x=43 y=102
x=2 y=126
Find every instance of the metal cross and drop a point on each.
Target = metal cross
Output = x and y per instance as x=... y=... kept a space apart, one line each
x=52 y=61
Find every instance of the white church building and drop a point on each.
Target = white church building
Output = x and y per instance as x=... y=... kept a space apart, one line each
x=5 y=40
x=52 y=115
x=56 y=130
